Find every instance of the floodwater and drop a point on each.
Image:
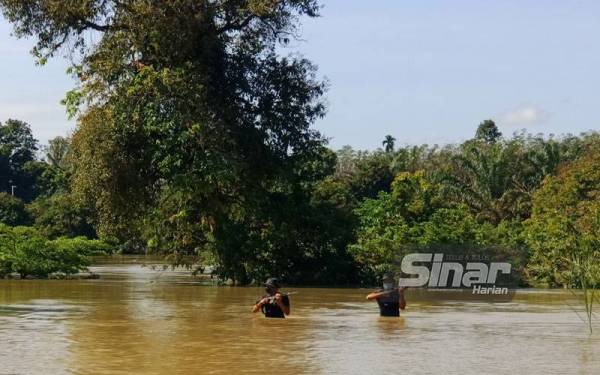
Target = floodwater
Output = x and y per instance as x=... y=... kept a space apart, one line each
x=137 y=321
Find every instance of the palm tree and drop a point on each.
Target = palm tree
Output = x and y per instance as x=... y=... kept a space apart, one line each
x=481 y=178
x=497 y=180
x=388 y=143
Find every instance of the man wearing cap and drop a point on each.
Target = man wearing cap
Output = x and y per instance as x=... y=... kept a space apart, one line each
x=273 y=304
x=390 y=299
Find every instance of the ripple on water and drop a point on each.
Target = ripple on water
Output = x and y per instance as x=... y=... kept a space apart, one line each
x=35 y=336
x=144 y=327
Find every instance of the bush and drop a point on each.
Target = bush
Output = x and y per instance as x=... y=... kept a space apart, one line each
x=82 y=245
x=25 y=251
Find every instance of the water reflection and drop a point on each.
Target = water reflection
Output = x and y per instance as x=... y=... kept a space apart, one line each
x=34 y=337
x=132 y=321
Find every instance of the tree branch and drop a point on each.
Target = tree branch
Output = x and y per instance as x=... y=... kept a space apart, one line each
x=95 y=26
x=236 y=26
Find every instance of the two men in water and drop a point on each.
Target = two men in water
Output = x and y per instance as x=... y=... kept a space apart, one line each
x=274 y=304
x=390 y=299
x=277 y=305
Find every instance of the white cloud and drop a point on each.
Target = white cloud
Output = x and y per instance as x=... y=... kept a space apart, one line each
x=524 y=115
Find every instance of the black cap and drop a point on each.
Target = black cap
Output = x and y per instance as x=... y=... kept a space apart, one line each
x=387 y=276
x=273 y=282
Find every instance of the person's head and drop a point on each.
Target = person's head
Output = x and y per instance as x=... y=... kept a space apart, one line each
x=388 y=280
x=272 y=285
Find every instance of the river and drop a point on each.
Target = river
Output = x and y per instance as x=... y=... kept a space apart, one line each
x=134 y=320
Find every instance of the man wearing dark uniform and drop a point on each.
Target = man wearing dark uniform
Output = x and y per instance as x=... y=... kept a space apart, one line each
x=273 y=304
x=390 y=299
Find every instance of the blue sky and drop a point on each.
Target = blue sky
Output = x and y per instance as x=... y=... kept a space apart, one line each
x=424 y=71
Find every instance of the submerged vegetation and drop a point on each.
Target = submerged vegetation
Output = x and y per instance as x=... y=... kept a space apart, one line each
x=26 y=252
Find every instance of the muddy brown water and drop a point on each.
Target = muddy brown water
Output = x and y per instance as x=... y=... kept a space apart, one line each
x=134 y=320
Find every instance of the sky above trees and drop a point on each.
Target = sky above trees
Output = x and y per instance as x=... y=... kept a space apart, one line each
x=426 y=71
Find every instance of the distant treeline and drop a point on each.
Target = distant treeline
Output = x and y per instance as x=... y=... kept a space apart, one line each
x=533 y=200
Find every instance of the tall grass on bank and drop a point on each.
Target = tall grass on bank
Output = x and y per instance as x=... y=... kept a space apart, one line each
x=586 y=274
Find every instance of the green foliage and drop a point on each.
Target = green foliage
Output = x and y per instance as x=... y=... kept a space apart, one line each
x=25 y=251
x=57 y=152
x=12 y=210
x=413 y=216
x=488 y=132
x=108 y=177
x=17 y=145
x=334 y=192
x=18 y=167
x=387 y=224
x=365 y=173
x=290 y=240
x=292 y=231
x=388 y=143
x=61 y=215
x=586 y=276
x=82 y=246
x=17 y=150
x=564 y=230
x=40 y=179
x=414 y=158
x=193 y=122
x=496 y=180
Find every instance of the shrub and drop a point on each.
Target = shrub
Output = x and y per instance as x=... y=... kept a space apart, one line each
x=82 y=245
x=25 y=251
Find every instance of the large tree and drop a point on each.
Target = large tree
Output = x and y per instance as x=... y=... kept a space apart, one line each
x=388 y=143
x=192 y=122
x=17 y=152
x=12 y=211
x=563 y=232
x=56 y=152
x=488 y=132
